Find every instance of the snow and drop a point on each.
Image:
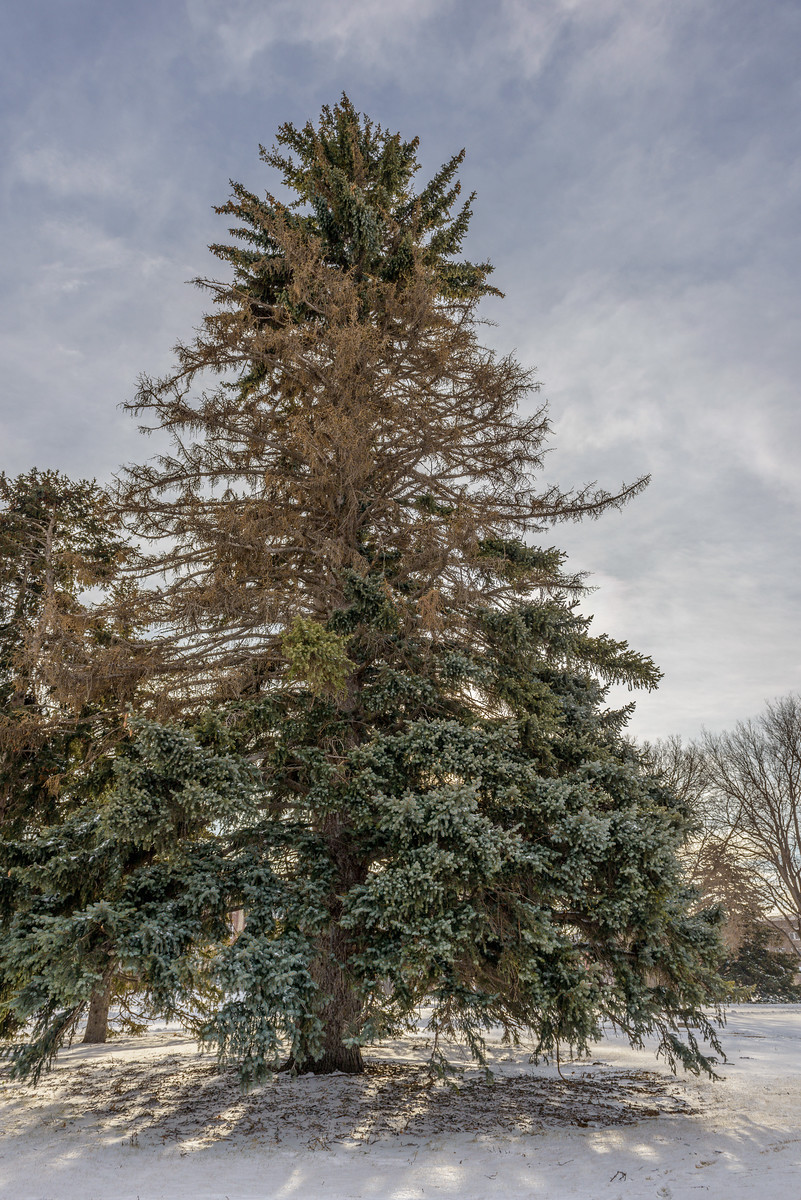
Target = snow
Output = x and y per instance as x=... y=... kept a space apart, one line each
x=150 y=1119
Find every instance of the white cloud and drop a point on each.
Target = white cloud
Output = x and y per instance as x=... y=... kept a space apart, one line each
x=626 y=42
x=522 y=32
x=245 y=29
x=66 y=174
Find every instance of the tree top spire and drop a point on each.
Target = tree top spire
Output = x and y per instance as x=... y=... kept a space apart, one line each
x=352 y=184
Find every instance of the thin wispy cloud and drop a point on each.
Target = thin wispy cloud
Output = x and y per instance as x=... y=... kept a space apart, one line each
x=242 y=31
x=67 y=175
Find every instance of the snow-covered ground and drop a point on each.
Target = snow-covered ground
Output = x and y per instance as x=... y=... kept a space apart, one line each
x=149 y=1119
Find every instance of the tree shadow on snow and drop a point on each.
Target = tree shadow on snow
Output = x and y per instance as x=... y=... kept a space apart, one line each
x=191 y=1101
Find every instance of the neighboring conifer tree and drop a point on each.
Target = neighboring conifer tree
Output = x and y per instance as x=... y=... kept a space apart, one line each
x=762 y=968
x=61 y=688
x=57 y=540
x=127 y=884
x=443 y=811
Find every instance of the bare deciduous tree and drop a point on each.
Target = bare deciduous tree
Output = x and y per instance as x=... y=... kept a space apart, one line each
x=755 y=774
x=712 y=856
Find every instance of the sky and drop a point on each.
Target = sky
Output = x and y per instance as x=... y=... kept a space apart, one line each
x=637 y=171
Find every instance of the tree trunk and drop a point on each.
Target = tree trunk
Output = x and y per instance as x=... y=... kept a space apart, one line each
x=340 y=1014
x=97 y=1020
x=343 y=1006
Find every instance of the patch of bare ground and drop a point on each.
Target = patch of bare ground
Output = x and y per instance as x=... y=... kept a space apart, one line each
x=192 y=1102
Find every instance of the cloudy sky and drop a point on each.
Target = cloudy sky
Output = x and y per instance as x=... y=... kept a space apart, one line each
x=638 y=176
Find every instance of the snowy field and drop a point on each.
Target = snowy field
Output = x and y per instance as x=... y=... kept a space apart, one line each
x=149 y=1119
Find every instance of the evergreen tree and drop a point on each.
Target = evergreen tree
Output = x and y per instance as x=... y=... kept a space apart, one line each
x=762 y=968
x=58 y=649
x=411 y=783
x=60 y=690
x=127 y=886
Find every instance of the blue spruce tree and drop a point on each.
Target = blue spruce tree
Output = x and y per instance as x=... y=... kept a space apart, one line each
x=382 y=731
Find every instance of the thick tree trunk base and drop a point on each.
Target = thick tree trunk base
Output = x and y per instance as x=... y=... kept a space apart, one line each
x=341 y=1005
x=97 y=1020
x=347 y=1059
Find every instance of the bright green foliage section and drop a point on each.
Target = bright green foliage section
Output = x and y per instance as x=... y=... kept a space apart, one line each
x=316 y=656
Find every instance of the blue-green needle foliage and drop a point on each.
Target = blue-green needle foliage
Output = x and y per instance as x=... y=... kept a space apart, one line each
x=510 y=861
x=135 y=881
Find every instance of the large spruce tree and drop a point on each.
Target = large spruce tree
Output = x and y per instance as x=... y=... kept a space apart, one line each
x=413 y=787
